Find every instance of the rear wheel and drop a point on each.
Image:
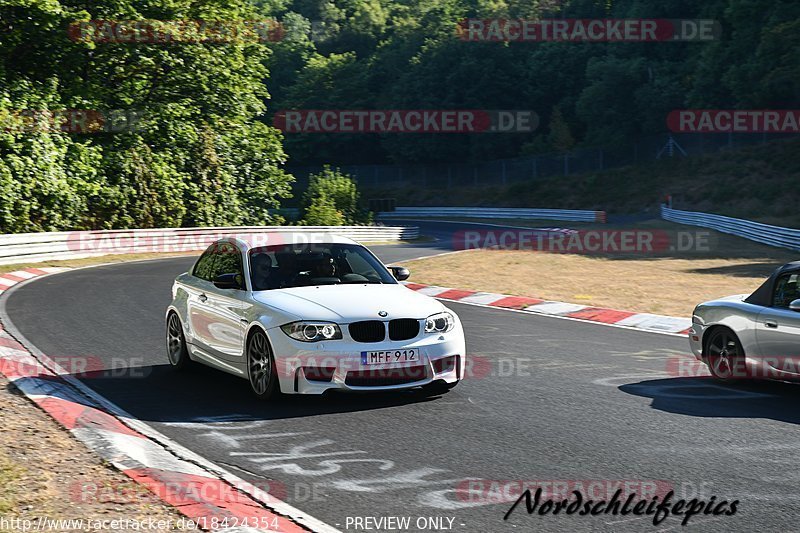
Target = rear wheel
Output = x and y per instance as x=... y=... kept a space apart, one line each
x=261 y=368
x=177 y=352
x=725 y=356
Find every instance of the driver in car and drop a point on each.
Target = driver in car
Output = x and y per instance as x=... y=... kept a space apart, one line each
x=262 y=271
x=325 y=268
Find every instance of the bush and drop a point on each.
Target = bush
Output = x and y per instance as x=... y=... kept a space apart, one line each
x=323 y=212
x=333 y=190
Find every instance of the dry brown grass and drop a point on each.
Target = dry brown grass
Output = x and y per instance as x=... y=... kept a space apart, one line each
x=669 y=284
x=46 y=472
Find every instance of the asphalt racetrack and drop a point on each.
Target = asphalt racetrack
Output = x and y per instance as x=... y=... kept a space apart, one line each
x=554 y=401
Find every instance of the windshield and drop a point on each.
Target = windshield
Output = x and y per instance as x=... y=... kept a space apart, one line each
x=299 y=265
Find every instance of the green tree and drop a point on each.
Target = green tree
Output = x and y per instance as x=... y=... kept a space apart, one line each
x=333 y=188
x=322 y=212
x=200 y=152
x=559 y=137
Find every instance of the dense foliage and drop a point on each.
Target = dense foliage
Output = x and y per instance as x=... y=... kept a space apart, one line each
x=404 y=54
x=332 y=199
x=193 y=151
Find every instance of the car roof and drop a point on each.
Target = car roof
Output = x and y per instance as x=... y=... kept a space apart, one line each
x=247 y=241
x=763 y=294
x=789 y=267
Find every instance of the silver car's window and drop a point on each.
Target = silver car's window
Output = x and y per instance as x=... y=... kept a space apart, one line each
x=298 y=265
x=204 y=268
x=227 y=260
x=786 y=291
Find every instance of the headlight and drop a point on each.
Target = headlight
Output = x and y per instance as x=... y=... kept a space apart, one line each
x=439 y=323
x=313 y=331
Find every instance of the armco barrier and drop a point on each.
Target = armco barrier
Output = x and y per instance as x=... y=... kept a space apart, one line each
x=35 y=247
x=576 y=215
x=754 y=231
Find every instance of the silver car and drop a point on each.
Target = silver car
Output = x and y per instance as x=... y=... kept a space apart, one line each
x=310 y=314
x=754 y=336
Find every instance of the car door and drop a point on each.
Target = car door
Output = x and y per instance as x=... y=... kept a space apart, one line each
x=224 y=310
x=198 y=311
x=778 y=327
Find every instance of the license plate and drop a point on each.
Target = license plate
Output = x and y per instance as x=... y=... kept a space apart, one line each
x=390 y=356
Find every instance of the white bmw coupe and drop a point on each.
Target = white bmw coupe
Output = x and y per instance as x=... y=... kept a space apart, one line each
x=308 y=315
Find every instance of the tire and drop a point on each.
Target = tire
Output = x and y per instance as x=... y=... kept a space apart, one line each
x=261 y=369
x=177 y=353
x=439 y=387
x=724 y=356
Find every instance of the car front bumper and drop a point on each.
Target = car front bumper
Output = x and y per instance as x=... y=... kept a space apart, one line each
x=696 y=340
x=343 y=365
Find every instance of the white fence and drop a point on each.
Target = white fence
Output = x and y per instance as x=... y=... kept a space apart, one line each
x=497 y=212
x=755 y=231
x=35 y=247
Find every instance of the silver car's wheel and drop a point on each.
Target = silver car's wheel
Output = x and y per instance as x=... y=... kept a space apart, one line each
x=725 y=356
x=176 y=343
x=261 y=369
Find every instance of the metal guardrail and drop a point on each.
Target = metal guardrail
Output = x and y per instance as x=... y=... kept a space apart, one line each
x=497 y=212
x=754 y=231
x=36 y=247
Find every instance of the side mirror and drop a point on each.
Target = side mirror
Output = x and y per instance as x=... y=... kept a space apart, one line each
x=400 y=273
x=795 y=305
x=228 y=281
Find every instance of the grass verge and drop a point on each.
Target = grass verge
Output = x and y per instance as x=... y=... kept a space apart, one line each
x=664 y=282
x=46 y=473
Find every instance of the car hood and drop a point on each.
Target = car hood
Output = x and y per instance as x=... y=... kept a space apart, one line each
x=350 y=303
x=725 y=300
x=732 y=298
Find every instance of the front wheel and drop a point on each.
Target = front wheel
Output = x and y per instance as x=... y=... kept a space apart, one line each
x=725 y=356
x=177 y=352
x=261 y=368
